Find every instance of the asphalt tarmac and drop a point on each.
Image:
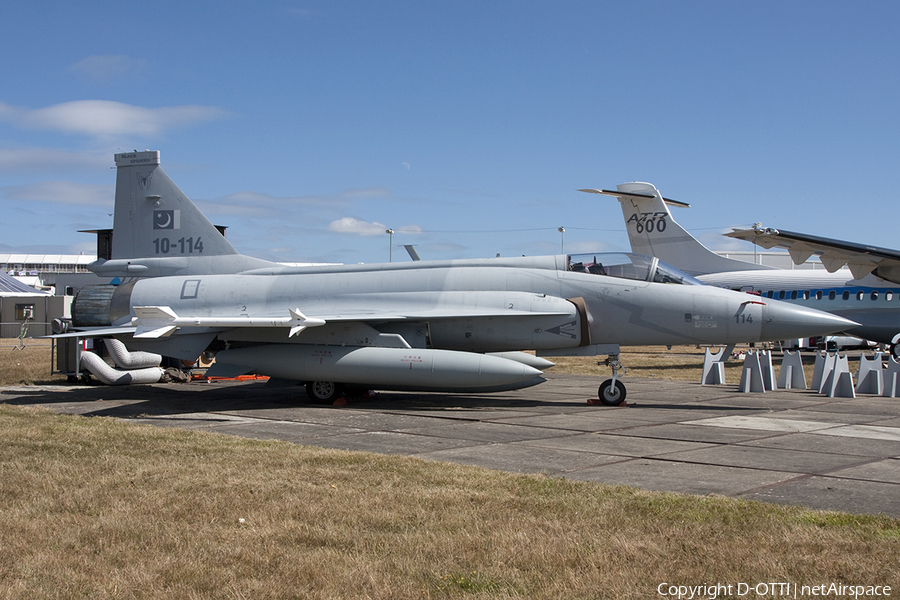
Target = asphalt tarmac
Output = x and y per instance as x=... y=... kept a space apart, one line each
x=791 y=447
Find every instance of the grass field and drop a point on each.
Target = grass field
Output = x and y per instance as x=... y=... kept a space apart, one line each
x=683 y=363
x=680 y=363
x=100 y=508
x=28 y=365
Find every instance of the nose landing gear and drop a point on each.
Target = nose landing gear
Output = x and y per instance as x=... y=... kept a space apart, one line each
x=895 y=347
x=612 y=391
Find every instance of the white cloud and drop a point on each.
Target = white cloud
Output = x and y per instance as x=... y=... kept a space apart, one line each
x=102 y=118
x=372 y=192
x=88 y=248
x=243 y=204
x=255 y=204
x=17 y=160
x=356 y=227
x=259 y=201
x=107 y=68
x=62 y=192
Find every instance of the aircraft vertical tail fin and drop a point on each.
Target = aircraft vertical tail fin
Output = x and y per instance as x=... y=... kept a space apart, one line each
x=653 y=231
x=154 y=218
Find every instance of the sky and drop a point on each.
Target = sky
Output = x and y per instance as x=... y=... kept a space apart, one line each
x=310 y=127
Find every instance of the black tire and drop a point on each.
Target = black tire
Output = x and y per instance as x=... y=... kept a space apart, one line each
x=323 y=391
x=609 y=395
x=895 y=351
x=355 y=391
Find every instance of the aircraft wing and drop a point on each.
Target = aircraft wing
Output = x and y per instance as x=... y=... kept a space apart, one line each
x=90 y=332
x=435 y=314
x=151 y=322
x=861 y=259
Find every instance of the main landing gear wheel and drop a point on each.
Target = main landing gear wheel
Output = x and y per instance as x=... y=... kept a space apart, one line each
x=323 y=391
x=611 y=395
x=895 y=351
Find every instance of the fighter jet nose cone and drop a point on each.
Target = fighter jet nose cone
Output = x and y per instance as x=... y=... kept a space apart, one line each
x=785 y=321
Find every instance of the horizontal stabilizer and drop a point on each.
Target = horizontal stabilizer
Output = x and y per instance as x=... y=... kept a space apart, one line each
x=635 y=196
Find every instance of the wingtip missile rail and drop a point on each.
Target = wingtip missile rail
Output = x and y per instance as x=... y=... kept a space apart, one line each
x=160 y=321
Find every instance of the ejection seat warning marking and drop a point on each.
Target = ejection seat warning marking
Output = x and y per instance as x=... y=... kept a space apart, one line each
x=701 y=321
x=412 y=358
x=566 y=330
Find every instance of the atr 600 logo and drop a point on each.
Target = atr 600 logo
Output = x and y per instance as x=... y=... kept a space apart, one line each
x=649 y=221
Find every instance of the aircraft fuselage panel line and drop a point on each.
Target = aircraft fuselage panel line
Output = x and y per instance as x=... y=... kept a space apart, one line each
x=865 y=291
x=419 y=325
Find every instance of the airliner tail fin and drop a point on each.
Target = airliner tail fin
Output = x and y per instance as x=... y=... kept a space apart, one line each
x=653 y=231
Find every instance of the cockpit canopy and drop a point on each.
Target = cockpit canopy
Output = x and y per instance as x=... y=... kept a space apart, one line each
x=638 y=267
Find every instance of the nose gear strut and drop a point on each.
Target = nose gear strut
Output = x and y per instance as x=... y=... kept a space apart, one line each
x=612 y=391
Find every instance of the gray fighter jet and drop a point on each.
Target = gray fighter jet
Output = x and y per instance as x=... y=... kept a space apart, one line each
x=454 y=326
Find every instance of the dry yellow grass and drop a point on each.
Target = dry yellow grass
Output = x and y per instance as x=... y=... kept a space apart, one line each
x=685 y=363
x=94 y=507
x=98 y=508
x=681 y=363
x=28 y=365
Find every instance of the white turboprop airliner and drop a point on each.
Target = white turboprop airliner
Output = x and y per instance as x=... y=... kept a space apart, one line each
x=869 y=300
